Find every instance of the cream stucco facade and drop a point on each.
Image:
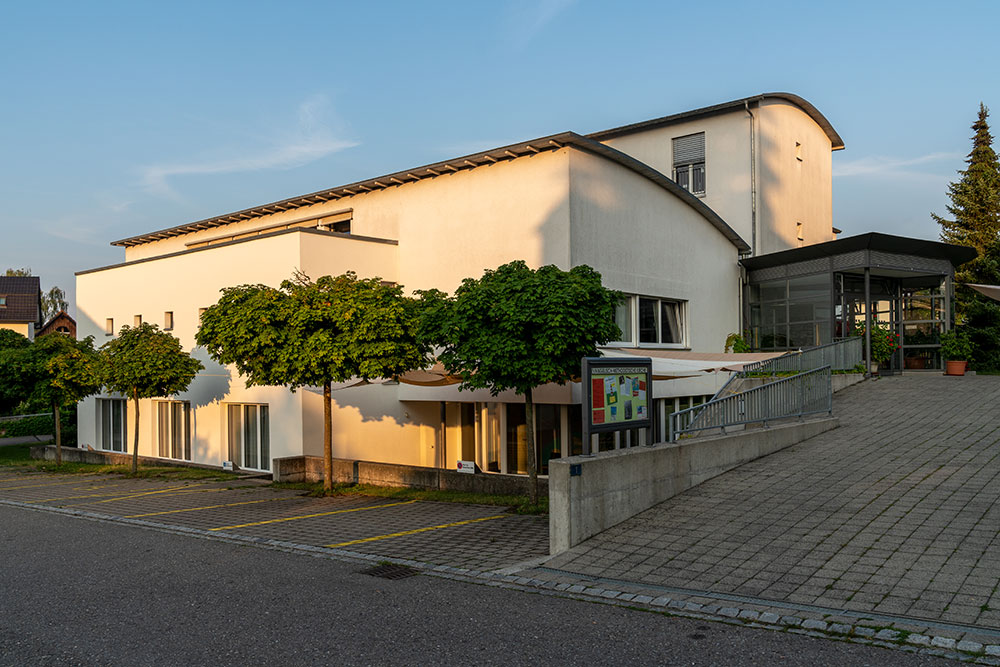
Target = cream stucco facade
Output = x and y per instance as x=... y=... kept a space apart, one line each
x=565 y=200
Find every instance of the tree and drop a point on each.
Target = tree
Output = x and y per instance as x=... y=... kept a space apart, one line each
x=60 y=372
x=975 y=206
x=517 y=328
x=314 y=334
x=975 y=197
x=13 y=389
x=53 y=301
x=18 y=273
x=144 y=362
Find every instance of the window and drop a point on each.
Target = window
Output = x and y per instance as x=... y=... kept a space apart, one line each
x=249 y=438
x=173 y=422
x=168 y=320
x=798 y=233
x=201 y=311
x=3 y=302
x=798 y=151
x=689 y=162
x=660 y=321
x=109 y=326
x=111 y=424
x=337 y=222
x=137 y=320
x=657 y=321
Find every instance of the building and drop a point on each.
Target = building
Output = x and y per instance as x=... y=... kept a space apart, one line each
x=664 y=209
x=62 y=323
x=21 y=304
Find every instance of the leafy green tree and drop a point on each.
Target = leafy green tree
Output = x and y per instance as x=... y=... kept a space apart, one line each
x=518 y=328
x=53 y=301
x=314 y=334
x=15 y=273
x=975 y=197
x=13 y=388
x=144 y=362
x=60 y=372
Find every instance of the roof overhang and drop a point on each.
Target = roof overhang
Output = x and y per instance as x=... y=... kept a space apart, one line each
x=836 y=143
x=901 y=245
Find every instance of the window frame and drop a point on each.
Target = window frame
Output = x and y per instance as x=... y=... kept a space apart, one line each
x=107 y=436
x=263 y=435
x=685 y=170
x=634 y=315
x=166 y=446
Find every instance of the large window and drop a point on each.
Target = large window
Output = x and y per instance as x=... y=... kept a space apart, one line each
x=791 y=314
x=173 y=422
x=689 y=162
x=249 y=437
x=111 y=424
x=651 y=321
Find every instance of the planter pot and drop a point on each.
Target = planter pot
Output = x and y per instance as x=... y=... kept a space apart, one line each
x=955 y=367
x=915 y=363
x=873 y=368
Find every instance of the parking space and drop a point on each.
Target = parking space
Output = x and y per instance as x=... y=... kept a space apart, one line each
x=480 y=537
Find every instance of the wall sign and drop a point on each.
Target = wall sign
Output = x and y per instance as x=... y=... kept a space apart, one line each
x=617 y=395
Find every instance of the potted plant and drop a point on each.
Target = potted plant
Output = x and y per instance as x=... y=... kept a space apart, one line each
x=884 y=342
x=956 y=350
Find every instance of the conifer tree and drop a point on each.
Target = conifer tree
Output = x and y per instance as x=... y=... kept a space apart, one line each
x=975 y=197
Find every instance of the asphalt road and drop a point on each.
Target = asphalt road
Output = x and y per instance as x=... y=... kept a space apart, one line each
x=81 y=592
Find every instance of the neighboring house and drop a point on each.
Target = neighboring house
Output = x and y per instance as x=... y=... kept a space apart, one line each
x=21 y=304
x=62 y=323
x=664 y=209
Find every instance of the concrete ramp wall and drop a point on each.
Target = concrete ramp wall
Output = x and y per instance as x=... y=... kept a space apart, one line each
x=589 y=494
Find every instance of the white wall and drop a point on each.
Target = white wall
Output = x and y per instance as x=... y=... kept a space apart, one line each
x=644 y=240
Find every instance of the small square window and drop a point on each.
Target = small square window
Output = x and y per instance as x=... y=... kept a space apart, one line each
x=137 y=320
x=201 y=311
x=109 y=326
x=3 y=302
x=168 y=320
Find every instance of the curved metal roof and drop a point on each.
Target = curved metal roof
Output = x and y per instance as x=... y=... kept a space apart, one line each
x=836 y=143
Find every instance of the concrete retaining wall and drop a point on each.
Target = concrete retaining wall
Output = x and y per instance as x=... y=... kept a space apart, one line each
x=74 y=455
x=589 y=494
x=310 y=469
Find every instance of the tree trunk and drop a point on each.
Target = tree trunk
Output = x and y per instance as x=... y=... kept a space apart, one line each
x=55 y=415
x=327 y=438
x=529 y=418
x=135 y=445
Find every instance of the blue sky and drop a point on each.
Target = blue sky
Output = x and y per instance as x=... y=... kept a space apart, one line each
x=119 y=118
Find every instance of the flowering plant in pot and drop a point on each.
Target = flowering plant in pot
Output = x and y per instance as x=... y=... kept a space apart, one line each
x=885 y=342
x=956 y=350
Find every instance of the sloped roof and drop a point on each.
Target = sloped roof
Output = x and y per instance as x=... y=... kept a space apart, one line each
x=23 y=298
x=484 y=158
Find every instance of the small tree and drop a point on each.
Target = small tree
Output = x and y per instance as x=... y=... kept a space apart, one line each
x=144 y=362
x=61 y=372
x=518 y=328
x=13 y=388
x=314 y=334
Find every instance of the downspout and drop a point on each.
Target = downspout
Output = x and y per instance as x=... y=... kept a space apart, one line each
x=753 y=180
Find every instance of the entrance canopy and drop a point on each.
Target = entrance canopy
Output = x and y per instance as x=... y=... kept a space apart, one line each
x=820 y=293
x=992 y=291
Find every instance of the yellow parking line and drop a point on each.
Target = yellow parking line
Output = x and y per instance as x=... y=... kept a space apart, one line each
x=415 y=531
x=168 y=492
x=310 y=516
x=117 y=494
x=35 y=486
x=207 y=507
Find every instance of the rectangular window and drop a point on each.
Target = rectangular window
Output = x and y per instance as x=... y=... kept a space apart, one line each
x=3 y=302
x=689 y=162
x=173 y=420
x=109 y=326
x=660 y=321
x=111 y=424
x=168 y=320
x=249 y=436
x=623 y=318
x=137 y=320
x=201 y=311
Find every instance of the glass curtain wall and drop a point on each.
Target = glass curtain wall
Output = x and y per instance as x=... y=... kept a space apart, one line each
x=791 y=313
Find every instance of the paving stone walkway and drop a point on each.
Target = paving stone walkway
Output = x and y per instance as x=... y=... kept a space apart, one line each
x=896 y=513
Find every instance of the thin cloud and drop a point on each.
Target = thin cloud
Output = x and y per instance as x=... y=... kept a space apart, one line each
x=530 y=18
x=889 y=166
x=310 y=140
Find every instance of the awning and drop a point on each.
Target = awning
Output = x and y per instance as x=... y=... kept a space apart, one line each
x=991 y=291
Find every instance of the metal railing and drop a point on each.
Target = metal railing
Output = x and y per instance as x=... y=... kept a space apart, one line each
x=804 y=394
x=842 y=355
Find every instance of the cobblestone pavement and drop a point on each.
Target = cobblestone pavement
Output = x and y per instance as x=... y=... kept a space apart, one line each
x=895 y=513
x=479 y=537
